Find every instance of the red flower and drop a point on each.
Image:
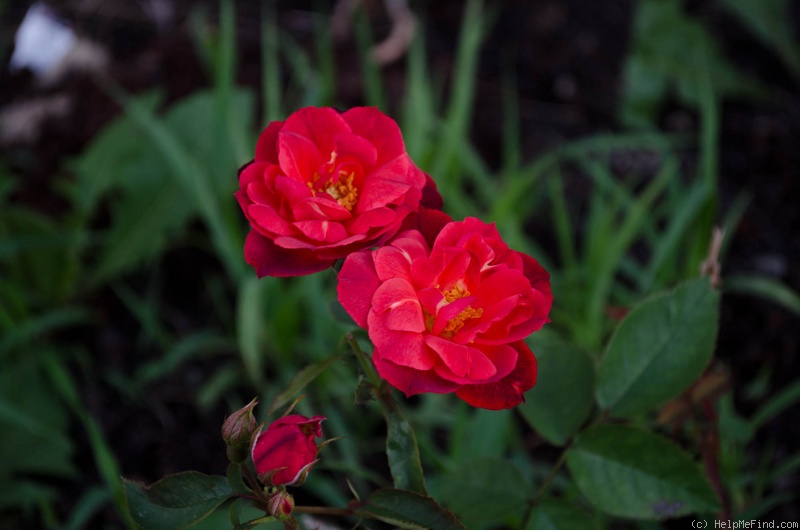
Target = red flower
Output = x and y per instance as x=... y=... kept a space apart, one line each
x=285 y=452
x=451 y=318
x=325 y=184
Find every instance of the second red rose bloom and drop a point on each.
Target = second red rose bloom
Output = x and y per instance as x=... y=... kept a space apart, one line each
x=450 y=318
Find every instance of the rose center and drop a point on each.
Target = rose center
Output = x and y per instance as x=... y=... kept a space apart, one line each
x=459 y=290
x=336 y=182
x=456 y=323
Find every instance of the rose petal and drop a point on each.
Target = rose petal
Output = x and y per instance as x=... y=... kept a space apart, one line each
x=352 y=146
x=386 y=184
x=318 y=125
x=503 y=357
x=447 y=312
x=381 y=130
x=397 y=300
x=322 y=231
x=431 y=299
x=356 y=283
x=410 y=381
x=466 y=363
x=428 y=222
x=320 y=208
x=403 y=348
x=267 y=141
x=299 y=158
x=268 y=220
x=379 y=217
x=268 y=259
x=291 y=190
x=391 y=262
x=310 y=426
x=431 y=198
x=286 y=448
x=252 y=172
x=538 y=277
x=452 y=234
x=509 y=391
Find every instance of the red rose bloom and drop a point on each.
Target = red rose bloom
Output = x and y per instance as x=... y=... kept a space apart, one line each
x=285 y=452
x=451 y=318
x=325 y=184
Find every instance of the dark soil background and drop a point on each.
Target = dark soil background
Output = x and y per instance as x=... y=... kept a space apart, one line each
x=567 y=56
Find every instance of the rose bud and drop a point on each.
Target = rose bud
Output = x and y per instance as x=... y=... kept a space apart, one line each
x=280 y=504
x=284 y=453
x=324 y=184
x=451 y=317
x=237 y=431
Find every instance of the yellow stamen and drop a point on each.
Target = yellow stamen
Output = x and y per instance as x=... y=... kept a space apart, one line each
x=458 y=322
x=344 y=192
x=456 y=292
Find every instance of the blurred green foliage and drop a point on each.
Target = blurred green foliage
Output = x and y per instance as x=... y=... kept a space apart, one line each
x=167 y=175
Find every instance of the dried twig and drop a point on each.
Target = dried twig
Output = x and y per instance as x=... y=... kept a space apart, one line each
x=710 y=266
x=404 y=25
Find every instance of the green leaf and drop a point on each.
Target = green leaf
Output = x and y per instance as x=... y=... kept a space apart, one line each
x=788 y=397
x=143 y=221
x=629 y=472
x=97 y=170
x=34 y=424
x=481 y=433
x=770 y=21
x=177 y=501
x=187 y=170
x=299 y=381
x=250 y=329
x=25 y=332
x=402 y=450
x=406 y=509
x=486 y=490
x=24 y=494
x=767 y=288
x=668 y=50
x=559 y=515
x=659 y=349
x=554 y=413
x=91 y=501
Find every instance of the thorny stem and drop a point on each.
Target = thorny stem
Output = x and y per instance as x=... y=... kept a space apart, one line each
x=257 y=489
x=365 y=362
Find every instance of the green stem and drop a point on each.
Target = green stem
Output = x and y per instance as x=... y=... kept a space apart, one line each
x=543 y=488
x=323 y=510
x=402 y=449
x=366 y=365
x=550 y=477
x=254 y=484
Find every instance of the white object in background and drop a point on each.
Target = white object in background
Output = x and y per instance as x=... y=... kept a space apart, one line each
x=41 y=42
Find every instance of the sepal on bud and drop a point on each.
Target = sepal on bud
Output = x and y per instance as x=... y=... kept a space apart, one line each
x=237 y=431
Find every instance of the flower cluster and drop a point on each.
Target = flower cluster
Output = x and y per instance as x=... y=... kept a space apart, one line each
x=446 y=304
x=282 y=454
